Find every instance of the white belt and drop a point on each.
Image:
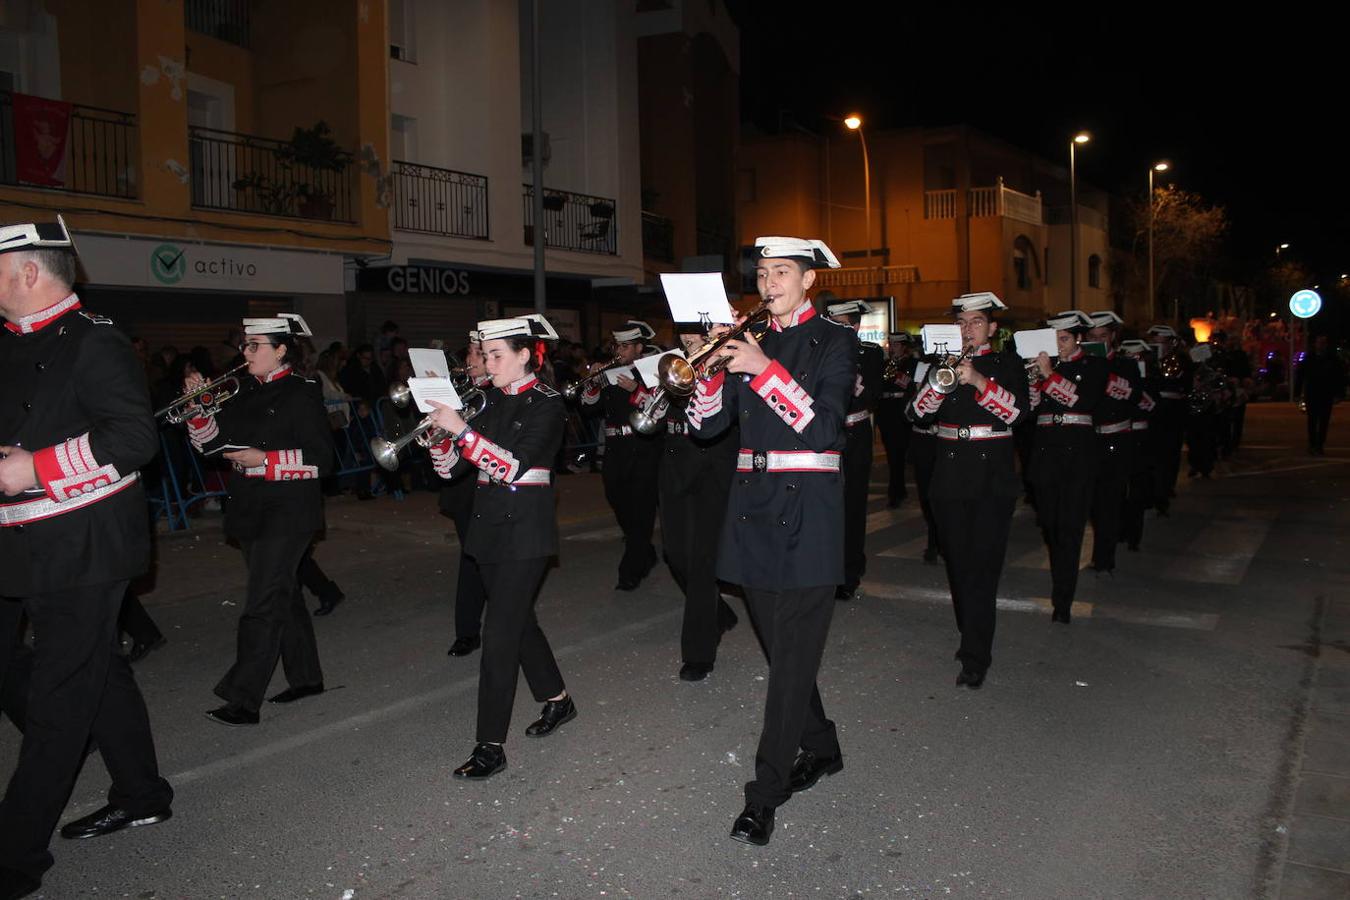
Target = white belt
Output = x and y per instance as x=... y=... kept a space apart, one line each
x=925 y=429
x=46 y=508
x=892 y=395
x=854 y=418
x=1114 y=427
x=536 y=477
x=786 y=461
x=677 y=427
x=970 y=433
x=1171 y=395
x=621 y=431
x=1064 y=419
x=1139 y=425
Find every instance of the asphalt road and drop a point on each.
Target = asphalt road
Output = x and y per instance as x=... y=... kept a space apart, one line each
x=1155 y=748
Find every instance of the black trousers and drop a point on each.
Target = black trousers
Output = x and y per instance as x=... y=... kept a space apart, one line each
x=314 y=579
x=512 y=642
x=629 y=476
x=792 y=625
x=1319 y=420
x=1115 y=459
x=1140 y=491
x=923 y=451
x=973 y=535
x=470 y=594
x=1202 y=446
x=136 y=622
x=1063 y=502
x=895 y=431
x=1170 y=430
x=275 y=623
x=79 y=688
x=691 y=527
x=857 y=475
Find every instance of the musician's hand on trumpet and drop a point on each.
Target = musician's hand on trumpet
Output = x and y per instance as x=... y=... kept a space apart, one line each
x=1041 y=366
x=447 y=418
x=626 y=383
x=967 y=374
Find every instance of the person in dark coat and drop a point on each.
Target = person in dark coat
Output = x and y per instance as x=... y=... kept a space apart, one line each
x=897 y=387
x=456 y=502
x=1115 y=441
x=975 y=483
x=510 y=446
x=1321 y=383
x=783 y=537
x=1168 y=425
x=75 y=429
x=858 y=451
x=276 y=435
x=1063 y=468
x=1141 y=490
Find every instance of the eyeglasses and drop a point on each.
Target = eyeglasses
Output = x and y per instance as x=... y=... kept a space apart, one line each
x=252 y=346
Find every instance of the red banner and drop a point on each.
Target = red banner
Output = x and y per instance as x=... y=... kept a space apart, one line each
x=41 y=130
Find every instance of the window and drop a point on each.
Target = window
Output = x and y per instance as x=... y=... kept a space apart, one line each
x=1026 y=264
x=402 y=31
x=1020 y=269
x=1094 y=271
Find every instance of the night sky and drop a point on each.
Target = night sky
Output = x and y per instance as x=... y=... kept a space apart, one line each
x=1245 y=111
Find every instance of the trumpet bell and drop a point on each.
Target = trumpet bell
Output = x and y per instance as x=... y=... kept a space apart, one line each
x=676 y=375
x=385 y=453
x=400 y=394
x=943 y=379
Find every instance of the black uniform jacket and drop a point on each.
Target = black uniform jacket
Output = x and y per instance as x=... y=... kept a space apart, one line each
x=895 y=393
x=688 y=460
x=785 y=529
x=1065 y=449
x=868 y=383
x=615 y=407
x=283 y=416
x=1122 y=390
x=970 y=469
x=73 y=393
x=512 y=444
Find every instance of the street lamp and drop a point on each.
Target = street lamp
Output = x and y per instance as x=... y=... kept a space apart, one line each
x=854 y=123
x=1081 y=137
x=1280 y=247
x=1162 y=166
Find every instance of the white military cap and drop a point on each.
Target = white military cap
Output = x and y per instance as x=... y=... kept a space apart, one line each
x=633 y=330
x=900 y=337
x=1133 y=347
x=1163 y=331
x=1104 y=318
x=813 y=251
x=1069 y=320
x=36 y=236
x=978 y=301
x=283 y=323
x=533 y=325
x=848 y=308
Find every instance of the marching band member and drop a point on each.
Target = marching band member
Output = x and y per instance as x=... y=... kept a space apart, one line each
x=897 y=386
x=975 y=485
x=276 y=434
x=783 y=537
x=1063 y=467
x=456 y=502
x=1115 y=441
x=695 y=479
x=631 y=458
x=858 y=450
x=74 y=428
x=1140 y=491
x=511 y=446
x=1168 y=425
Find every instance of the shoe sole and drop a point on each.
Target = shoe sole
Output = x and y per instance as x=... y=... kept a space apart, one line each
x=746 y=839
x=501 y=768
x=833 y=769
x=561 y=722
x=133 y=823
x=230 y=724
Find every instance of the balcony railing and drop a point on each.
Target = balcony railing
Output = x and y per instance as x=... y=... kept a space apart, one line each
x=430 y=200
x=101 y=153
x=998 y=200
x=658 y=237
x=862 y=276
x=573 y=221
x=225 y=20
x=243 y=173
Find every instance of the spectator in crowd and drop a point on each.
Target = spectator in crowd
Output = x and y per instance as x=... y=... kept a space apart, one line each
x=1321 y=383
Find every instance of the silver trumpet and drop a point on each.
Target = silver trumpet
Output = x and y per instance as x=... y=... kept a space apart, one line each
x=427 y=433
x=205 y=400
x=648 y=419
x=942 y=377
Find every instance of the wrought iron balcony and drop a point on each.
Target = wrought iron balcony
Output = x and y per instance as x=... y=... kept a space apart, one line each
x=243 y=173
x=101 y=152
x=573 y=221
x=430 y=200
x=226 y=20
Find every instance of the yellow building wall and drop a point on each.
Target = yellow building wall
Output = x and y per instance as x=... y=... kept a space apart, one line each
x=231 y=64
x=98 y=52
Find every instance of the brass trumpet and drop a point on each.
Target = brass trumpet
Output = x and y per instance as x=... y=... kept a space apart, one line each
x=205 y=400
x=427 y=433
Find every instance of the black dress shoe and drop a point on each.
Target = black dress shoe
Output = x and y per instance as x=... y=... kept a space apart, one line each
x=628 y=583
x=753 y=826
x=809 y=768
x=229 y=714
x=463 y=646
x=970 y=677
x=139 y=650
x=292 y=694
x=1061 y=615
x=487 y=760
x=329 y=603
x=109 y=819
x=846 y=592
x=695 y=671
x=15 y=884
x=930 y=554
x=556 y=712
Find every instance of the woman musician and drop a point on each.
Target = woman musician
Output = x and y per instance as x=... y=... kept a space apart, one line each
x=275 y=432
x=512 y=444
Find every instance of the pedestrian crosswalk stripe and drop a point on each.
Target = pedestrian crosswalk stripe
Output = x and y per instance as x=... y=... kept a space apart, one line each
x=910 y=549
x=598 y=534
x=1221 y=552
x=887 y=517
x=1040 y=557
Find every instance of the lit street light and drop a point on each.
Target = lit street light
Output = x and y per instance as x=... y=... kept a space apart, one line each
x=1162 y=166
x=854 y=123
x=1081 y=137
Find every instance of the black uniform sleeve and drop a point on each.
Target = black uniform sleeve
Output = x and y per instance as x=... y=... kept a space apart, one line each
x=818 y=418
x=110 y=390
x=871 y=371
x=312 y=455
x=535 y=443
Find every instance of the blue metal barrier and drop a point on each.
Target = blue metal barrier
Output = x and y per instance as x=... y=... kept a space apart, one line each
x=182 y=481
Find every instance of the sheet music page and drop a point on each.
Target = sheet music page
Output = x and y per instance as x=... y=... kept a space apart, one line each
x=942 y=339
x=1035 y=341
x=429 y=363
x=438 y=389
x=646 y=366
x=698 y=297
x=612 y=375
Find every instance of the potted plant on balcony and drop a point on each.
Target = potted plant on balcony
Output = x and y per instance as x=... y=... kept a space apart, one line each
x=298 y=186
